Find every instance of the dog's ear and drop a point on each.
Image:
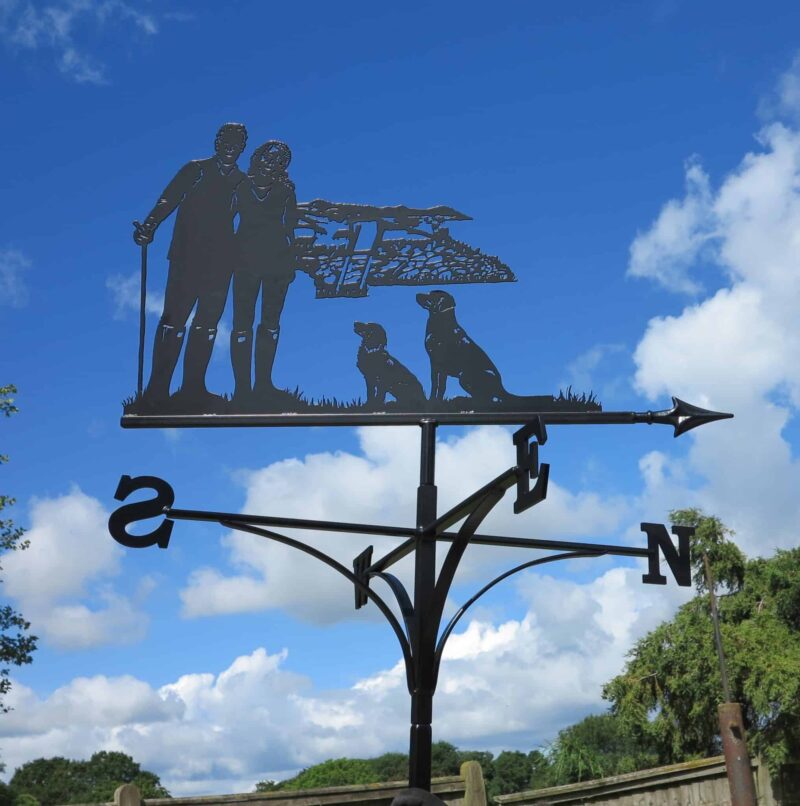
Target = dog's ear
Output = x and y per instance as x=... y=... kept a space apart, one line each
x=442 y=300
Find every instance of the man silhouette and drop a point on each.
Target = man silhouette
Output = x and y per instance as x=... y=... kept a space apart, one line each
x=200 y=267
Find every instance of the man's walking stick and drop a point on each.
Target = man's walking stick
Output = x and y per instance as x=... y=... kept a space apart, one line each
x=142 y=295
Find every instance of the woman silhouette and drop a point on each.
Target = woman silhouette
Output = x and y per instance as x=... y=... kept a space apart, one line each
x=264 y=261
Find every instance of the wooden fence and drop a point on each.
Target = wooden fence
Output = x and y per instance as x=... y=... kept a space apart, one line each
x=694 y=783
x=466 y=789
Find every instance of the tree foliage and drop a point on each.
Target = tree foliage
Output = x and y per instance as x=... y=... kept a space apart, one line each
x=511 y=771
x=334 y=772
x=596 y=747
x=669 y=691
x=16 y=644
x=61 y=780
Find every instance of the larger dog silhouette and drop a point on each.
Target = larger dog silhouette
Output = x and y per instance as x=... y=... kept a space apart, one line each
x=454 y=354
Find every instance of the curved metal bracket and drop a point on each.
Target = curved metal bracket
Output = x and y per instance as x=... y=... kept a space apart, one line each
x=400 y=593
x=345 y=572
x=479 y=511
x=570 y=555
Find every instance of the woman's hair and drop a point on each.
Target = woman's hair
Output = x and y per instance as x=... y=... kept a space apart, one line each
x=282 y=156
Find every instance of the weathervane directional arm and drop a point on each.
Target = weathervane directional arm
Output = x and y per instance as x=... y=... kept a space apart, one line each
x=472 y=503
x=291 y=523
x=682 y=417
x=394 y=555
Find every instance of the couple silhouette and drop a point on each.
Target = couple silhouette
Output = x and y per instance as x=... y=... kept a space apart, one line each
x=206 y=253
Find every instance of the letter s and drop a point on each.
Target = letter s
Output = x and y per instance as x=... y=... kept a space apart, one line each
x=151 y=508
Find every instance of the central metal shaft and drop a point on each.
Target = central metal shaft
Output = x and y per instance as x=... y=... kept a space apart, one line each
x=419 y=756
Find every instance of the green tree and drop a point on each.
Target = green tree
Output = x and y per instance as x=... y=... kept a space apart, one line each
x=16 y=645
x=512 y=773
x=60 y=780
x=540 y=770
x=445 y=759
x=6 y=795
x=595 y=747
x=391 y=767
x=668 y=693
x=334 y=772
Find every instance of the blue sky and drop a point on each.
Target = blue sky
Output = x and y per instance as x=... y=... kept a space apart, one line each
x=636 y=164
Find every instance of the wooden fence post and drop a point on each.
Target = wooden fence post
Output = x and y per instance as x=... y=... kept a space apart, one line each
x=127 y=795
x=475 y=789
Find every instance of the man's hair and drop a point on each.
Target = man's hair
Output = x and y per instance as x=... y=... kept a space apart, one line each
x=237 y=128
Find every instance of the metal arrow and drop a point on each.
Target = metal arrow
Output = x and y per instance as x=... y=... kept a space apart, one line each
x=682 y=417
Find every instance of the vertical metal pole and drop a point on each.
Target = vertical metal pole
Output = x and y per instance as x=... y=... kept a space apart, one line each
x=142 y=297
x=731 y=724
x=419 y=754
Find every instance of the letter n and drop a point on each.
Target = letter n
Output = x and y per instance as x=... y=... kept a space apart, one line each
x=678 y=560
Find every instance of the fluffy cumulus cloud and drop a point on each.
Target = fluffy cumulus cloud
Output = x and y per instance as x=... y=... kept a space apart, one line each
x=507 y=684
x=736 y=347
x=378 y=485
x=678 y=237
x=62 y=582
x=63 y=29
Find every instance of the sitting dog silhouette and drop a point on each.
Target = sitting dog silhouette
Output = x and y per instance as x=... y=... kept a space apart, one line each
x=454 y=354
x=383 y=373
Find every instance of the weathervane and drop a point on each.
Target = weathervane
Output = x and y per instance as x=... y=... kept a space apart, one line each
x=248 y=232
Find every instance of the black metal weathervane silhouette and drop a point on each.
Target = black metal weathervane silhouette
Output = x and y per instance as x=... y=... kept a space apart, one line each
x=249 y=232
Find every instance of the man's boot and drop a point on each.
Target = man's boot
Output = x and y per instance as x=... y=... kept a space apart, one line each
x=266 y=345
x=195 y=363
x=241 y=361
x=166 y=351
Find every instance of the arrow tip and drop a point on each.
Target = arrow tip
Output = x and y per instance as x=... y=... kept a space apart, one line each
x=684 y=416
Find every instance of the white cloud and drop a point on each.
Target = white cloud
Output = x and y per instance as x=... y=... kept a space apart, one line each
x=681 y=233
x=61 y=28
x=126 y=290
x=784 y=102
x=516 y=682
x=736 y=349
x=13 y=265
x=61 y=581
x=378 y=486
